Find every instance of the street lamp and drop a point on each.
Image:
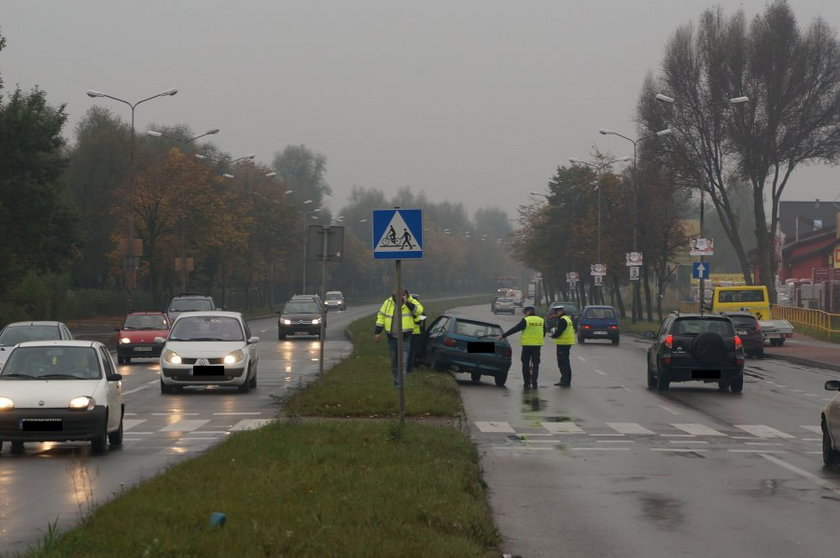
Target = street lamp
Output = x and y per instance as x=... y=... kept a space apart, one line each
x=701 y=286
x=130 y=264
x=637 y=303
x=156 y=134
x=305 y=214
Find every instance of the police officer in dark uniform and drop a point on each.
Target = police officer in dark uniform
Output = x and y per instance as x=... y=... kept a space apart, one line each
x=532 y=338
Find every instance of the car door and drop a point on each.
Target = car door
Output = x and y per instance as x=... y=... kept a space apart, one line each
x=114 y=382
x=656 y=346
x=253 y=353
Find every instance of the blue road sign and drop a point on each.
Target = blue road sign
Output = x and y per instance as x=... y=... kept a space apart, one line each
x=700 y=270
x=397 y=234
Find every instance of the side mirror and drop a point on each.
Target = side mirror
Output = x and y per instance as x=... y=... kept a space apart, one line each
x=114 y=377
x=252 y=340
x=160 y=340
x=650 y=334
x=833 y=385
x=116 y=329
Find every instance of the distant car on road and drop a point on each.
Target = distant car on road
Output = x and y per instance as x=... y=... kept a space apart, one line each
x=209 y=349
x=19 y=332
x=830 y=423
x=61 y=391
x=570 y=308
x=696 y=347
x=748 y=329
x=136 y=337
x=504 y=304
x=299 y=315
x=455 y=343
x=334 y=300
x=189 y=302
x=599 y=322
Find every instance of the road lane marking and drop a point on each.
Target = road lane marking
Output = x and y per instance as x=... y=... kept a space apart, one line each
x=128 y=424
x=616 y=442
x=581 y=358
x=755 y=450
x=495 y=427
x=688 y=441
x=605 y=435
x=763 y=431
x=697 y=429
x=630 y=428
x=186 y=425
x=812 y=428
x=562 y=427
x=250 y=424
x=680 y=450
x=169 y=414
x=601 y=372
x=822 y=483
x=242 y=413
x=604 y=448
x=669 y=409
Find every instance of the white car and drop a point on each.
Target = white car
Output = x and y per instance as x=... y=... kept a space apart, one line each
x=830 y=422
x=334 y=300
x=209 y=348
x=18 y=332
x=60 y=391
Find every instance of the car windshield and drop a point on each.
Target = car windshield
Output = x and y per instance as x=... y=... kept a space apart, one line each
x=191 y=305
x=333 y=296
x=691 y=326
x=568 y=307
x=505 y=300
x=477 y=329
x=207 y=328
x=300 y=307
x=13 y=335
x=743 y=322
x=52 y=363
x=145 y=322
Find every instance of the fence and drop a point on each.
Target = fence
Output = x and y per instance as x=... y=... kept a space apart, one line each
x=828 y=323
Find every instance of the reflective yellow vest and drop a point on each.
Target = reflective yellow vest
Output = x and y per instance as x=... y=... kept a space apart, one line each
x=568 y=335
x=533 y=334
x=386 y=314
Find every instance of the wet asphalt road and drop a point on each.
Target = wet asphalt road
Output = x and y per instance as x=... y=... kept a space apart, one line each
x=609 y=468
x=59 y=483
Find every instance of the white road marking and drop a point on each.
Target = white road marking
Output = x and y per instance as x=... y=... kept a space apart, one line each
x=812 y=428
x=755 y=450
x=630 y=428
x=494 y=427
x=616 y=442
x=128 y=424
x=169 y=414
x=186 y=425
x=242 y=413
x=581 y=358
x=601 y=372
x=605 y=435
x=669 y=410
x=250 y=424
x=600 y=449
x=680 y=450
x=562 y=427
x=822 y=483
x=763 y=443
x=688 y=441
x=697 y=429
x=763 y=431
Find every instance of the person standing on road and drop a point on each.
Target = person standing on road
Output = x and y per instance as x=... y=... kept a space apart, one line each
x=563 y=334
x=417 y=332
x=532 y=338
x=410 y=308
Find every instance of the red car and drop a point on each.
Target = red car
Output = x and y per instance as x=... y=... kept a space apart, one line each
x=136 y=338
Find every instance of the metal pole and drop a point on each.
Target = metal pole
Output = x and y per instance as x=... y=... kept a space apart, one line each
x=636 y=310
x=702 y=294
x=323 y=306
x=601 y=286
x=303 y=288
x=130 y=270
x=398 y=315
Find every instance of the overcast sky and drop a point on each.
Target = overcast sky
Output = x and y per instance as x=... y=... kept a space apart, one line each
x=474 y=102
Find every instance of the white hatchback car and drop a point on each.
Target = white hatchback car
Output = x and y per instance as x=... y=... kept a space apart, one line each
x=830 y=422
x=60 y=391
x=209 y=348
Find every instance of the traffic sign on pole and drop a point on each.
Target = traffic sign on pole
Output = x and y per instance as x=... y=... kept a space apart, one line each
x=397 y=234
x=700 y=270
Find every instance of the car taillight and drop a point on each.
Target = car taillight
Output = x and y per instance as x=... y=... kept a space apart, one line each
x=738 y=343
x=613 y=327
x=758 y=327
x=586 y=326
x=449 y=342
x=669 y=342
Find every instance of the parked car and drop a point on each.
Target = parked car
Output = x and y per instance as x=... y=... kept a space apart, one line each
x=299 y=316
x=189 y=302
x=138 y=334
x=19 y=332
x=209 y=348
x=696 y=347
x=570 y=308
x=460 y=344
x=830 y=422
x=504 y=304
x=599 y=322
x=61 y=391
x=334 y=300
x=748 y=329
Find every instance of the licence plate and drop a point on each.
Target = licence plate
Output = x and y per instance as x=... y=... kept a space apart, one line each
x=597 y=332
x=208 y=370
x=742 y=332
x=41 y=424
x=137 y=349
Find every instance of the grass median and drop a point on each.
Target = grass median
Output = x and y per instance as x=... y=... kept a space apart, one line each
x=310 y=487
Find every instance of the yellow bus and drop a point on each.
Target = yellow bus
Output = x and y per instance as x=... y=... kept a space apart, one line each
x=751 y=298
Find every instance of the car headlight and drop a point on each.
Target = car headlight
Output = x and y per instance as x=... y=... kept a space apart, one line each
x=171 y=357
x=125 y=340
x=234 y=357
x=6 y=404
x=316 y=321
x=286 y=321
x=82 y=403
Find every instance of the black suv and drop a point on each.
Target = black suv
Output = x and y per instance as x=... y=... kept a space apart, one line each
x=696 y=347
x=189 y=302
x=300 y=315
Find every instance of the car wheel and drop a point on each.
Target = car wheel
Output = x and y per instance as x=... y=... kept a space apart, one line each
x=166 y=388
x=244 y=387
x=615 y=340
x=708 y=348
x=120 y=360
x=115 y=438
x=760 y=354
x=737 y=385
x=775 y=342
x=17 y=447
x=651 y=377
x=831 y=456
x=723 y=386
x=437 y=366
x=475 y=376
x=281 y=335
x=662 y=382
x=99 y=444
x=254 y=377
x=501 y=379
x=581 y=339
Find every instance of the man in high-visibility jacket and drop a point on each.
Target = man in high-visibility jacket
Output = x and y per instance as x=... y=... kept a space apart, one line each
x=564 y=337
x=410 y=308
x=533 y=335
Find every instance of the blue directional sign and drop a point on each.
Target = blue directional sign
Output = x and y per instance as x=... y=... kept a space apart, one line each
x=397 y=234
x=700 y=270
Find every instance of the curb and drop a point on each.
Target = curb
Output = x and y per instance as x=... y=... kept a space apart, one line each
x=803 y=361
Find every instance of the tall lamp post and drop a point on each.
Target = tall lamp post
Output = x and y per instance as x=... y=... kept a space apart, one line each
x=131 y=262
x=306 y=214
x=637 y=303
x=701 y=288
x=156 y=134
x=599 y=168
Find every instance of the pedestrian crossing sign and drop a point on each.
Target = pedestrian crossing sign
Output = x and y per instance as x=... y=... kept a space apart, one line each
x=397 y=234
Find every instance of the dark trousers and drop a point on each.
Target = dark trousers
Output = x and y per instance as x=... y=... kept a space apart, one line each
x=530 y=364
x=563 y=364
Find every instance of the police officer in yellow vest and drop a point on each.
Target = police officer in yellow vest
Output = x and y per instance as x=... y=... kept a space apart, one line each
x=533 y=335
x=564 y=337
x=409 y=310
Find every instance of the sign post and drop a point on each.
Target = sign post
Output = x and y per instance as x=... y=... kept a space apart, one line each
x=398 y=235
x=327 y=245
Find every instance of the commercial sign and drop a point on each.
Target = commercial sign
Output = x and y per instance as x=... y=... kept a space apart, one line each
x=701 y=247
x=598 y=269
x=633 y=259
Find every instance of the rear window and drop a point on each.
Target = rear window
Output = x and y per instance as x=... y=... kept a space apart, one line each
x=301 y=307
x=477 y=329
x=191 y=305
x=19 y=334
x=599 y=313
x=696 y=326
x=743 y=322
